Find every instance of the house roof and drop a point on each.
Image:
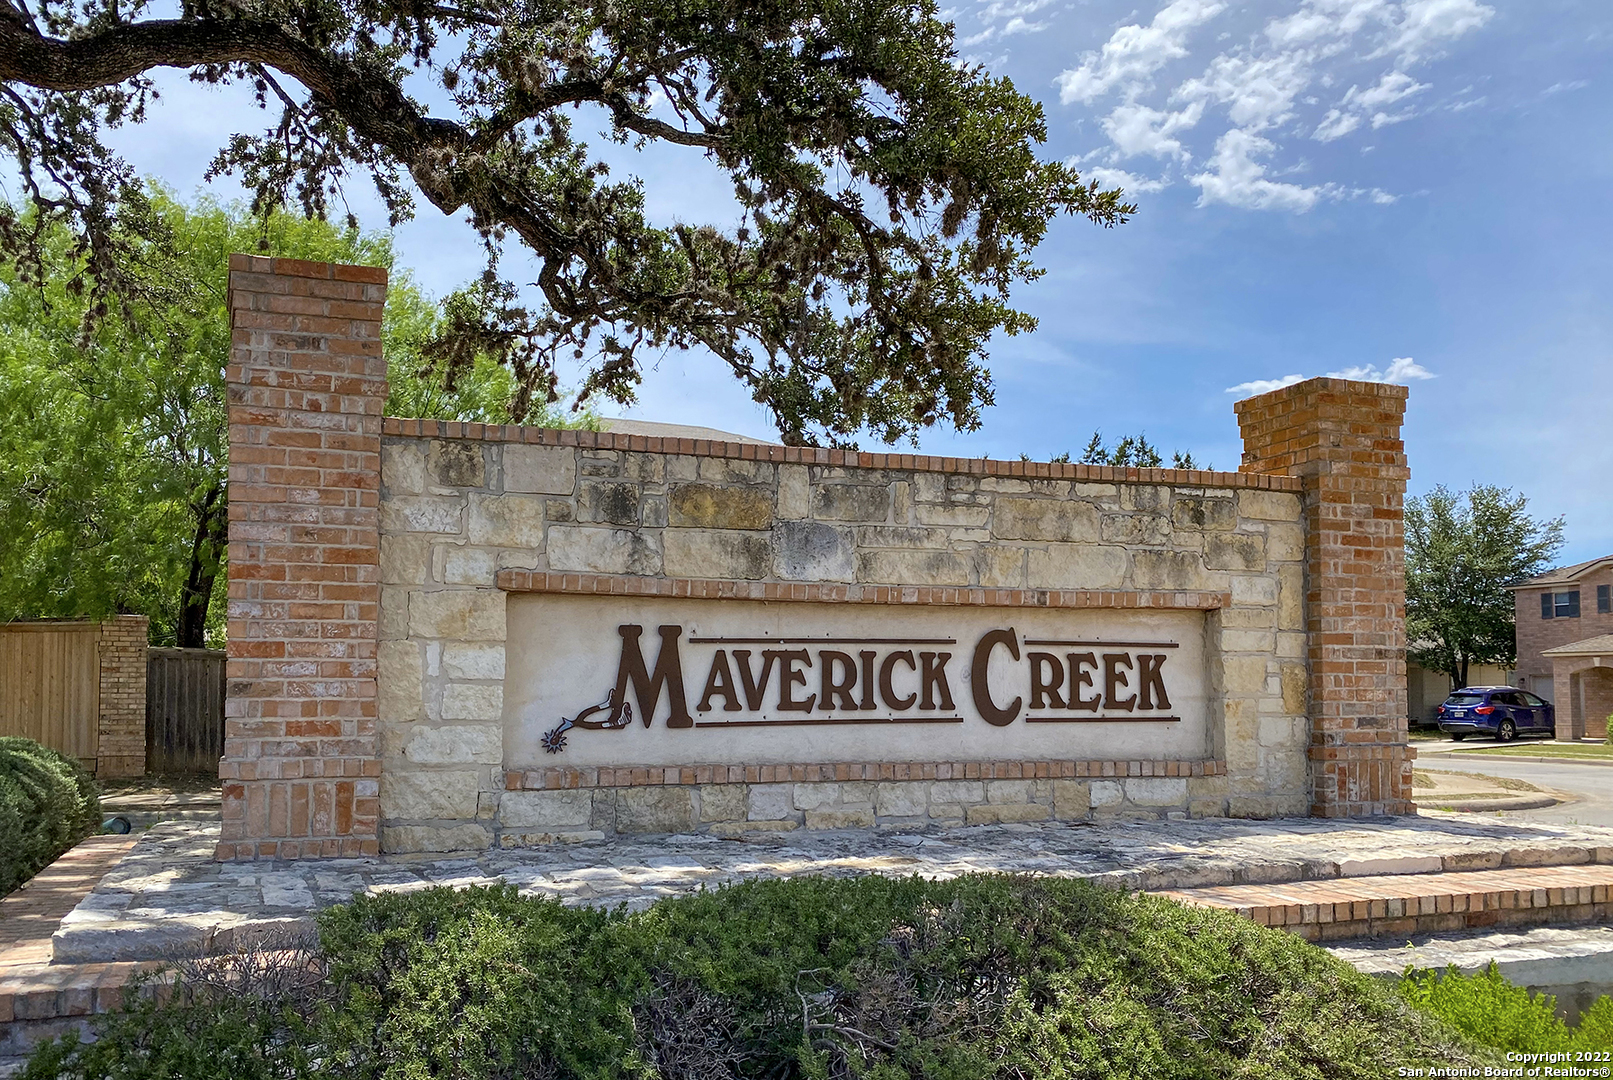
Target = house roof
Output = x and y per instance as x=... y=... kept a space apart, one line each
x=1601 y=645
x=655 y=429
x=1563 y=574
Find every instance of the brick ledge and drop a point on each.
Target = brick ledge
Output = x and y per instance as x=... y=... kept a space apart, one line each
x=813 y=455
x=540 y=581
x=564 y=778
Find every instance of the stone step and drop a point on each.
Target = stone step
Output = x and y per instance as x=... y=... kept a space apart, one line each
x=1402 y=905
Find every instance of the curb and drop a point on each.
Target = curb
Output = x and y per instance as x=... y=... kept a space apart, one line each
x=1467 y=806
x=1482 y=755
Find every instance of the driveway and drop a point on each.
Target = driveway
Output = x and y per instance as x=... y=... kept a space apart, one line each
x=1590 y=785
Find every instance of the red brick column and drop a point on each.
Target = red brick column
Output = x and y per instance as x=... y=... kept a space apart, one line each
x=1343 y=439
x=307 y=384
x=121 y=738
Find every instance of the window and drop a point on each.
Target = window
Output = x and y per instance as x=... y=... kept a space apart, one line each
x=1604 y=602
x=1562 y=605
x=1532 y=701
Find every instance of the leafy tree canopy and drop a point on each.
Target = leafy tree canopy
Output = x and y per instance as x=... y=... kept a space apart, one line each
x=1462 y=550
x=112 y=456
x=890 y=195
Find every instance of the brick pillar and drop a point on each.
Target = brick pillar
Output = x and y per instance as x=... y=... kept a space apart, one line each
x=1343 y=438
x=121 y=729
x=307 y=383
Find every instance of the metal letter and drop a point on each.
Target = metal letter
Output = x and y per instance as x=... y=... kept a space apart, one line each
x=933 y=676
x=720 y=681
x=1151 y=681
x=647 y=688
x=998 y=717
x=1114 y=679
x=832 y=688
x=886 y=690
x=788 y=677
x=1079 y=677
x=1043 y=690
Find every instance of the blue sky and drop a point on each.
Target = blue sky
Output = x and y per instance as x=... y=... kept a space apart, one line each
x=1415 y=188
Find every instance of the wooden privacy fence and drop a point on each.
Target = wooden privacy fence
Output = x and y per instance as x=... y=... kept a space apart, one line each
x=79 y=688
x=50 y=685
x=184 y=710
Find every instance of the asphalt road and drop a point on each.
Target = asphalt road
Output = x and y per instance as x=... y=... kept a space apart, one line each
x=1590 y=785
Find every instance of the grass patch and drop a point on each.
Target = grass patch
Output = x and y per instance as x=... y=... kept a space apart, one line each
x=1425 y=780
x=1490 y=1010
x=984 y=976
x=1545 y=748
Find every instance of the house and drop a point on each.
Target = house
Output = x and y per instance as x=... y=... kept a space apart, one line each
x=1565 y=643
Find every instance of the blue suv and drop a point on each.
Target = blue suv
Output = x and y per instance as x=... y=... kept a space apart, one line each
x=1501 y=712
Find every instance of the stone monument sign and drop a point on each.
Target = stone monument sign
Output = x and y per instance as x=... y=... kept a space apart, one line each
x=448 y=636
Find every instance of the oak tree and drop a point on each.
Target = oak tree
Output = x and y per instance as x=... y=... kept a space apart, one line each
x=1462 y=551
x=889 y=195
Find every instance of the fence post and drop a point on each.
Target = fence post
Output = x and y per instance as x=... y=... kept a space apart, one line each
x=121 y=733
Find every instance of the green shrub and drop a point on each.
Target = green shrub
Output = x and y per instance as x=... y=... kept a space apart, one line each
x=48 y=803
x=1494 y=1012
x=819 y=979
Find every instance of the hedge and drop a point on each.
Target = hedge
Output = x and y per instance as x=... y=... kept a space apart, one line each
x=48 y=803
x=979 y=977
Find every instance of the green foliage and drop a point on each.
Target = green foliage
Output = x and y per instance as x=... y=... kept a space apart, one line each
x=48 y=803
x=1462 y=551
x=819 y=979
x=889 y=194
x=112 y=460
x=1492 y=1011
x=1132 y=451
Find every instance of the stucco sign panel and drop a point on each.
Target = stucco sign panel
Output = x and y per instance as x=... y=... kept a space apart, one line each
x=642 y=681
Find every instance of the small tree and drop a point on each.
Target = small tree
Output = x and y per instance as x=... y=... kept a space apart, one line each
x=1132 y=451
x=1462 y=551
x=112 y=454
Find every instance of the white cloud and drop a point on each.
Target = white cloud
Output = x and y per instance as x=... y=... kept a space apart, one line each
x=1258 y=92
x=1135 y=52
x=1352 y=109
x=1256 y=387
x=1335 y=125
x=1237 y=179
x=1004 y=18
x=1323 y=20
x=1401 y=369
x=1119 y=178
x=1563 y=87
x=1137 y=129
x=1425 y=25
x=1254 y=94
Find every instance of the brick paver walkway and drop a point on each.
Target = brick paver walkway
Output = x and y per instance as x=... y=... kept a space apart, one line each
x=30 y=915
x=1394 y=904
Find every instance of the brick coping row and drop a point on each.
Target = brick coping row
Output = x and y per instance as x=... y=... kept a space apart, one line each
x=569 y=777
x=542 y=581
x=1391 y=905
x=816 y=455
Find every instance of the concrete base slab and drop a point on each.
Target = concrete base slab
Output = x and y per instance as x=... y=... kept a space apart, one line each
x=168 y=897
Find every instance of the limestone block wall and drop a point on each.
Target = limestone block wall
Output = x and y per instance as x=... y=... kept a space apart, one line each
x=471 y=514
